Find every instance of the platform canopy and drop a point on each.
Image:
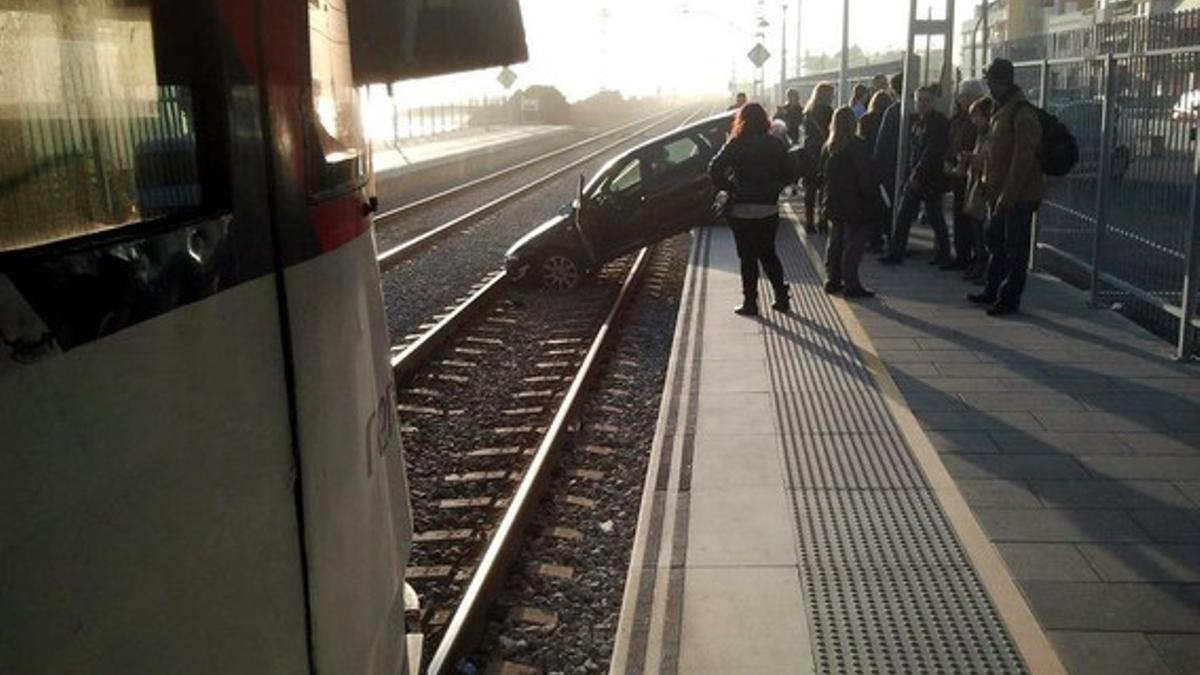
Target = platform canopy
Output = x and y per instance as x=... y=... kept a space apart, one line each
x=396 y=40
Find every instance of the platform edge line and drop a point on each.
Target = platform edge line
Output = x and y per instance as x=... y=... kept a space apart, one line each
x=1027 y=634
x=627 y=622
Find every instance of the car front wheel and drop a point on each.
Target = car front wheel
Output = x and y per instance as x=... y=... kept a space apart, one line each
x=561 y=271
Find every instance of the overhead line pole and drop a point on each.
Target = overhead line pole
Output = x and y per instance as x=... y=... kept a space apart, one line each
x=783 y=55
x=843 y=75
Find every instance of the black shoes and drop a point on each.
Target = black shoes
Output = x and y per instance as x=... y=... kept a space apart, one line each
x=832 y=287
x=747 y=308
x=783 y=301
x=1001 y=309
x=858 y=293
x=982 y=298
x=891 y=259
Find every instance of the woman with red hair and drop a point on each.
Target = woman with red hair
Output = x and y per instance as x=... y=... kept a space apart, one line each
x=753 y=168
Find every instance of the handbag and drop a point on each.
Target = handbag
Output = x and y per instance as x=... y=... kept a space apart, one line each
x=976 y=204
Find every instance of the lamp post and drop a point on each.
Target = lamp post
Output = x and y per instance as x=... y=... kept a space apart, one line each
x=783 y=55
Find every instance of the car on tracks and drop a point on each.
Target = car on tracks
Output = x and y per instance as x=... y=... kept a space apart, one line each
x=646 y=194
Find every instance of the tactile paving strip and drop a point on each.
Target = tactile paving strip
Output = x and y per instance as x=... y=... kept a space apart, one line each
x=889 y=588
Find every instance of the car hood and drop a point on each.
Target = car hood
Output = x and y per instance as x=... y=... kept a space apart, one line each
x=540 y=232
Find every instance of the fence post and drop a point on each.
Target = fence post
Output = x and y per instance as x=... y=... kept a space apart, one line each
x=1191 y=270
x=1043 y=82
x=1102 y=173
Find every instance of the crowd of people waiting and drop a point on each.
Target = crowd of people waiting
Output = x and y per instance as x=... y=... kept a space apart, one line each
x=984 y=154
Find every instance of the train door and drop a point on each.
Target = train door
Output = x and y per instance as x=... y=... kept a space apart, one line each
x=148 y=518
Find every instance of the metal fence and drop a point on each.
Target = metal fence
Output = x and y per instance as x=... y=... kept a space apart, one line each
x=1164 y=31
x=1123 y=224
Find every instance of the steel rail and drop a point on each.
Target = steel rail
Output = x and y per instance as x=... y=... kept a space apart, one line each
x=504 y=546
x=426 y=202
x=401 y=252
x=408 y=361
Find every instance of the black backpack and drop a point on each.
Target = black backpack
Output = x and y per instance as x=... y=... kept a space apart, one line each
x=1059 y=152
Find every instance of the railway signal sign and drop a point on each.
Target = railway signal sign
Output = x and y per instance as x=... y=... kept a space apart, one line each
x=506 y=78
x=759 y=55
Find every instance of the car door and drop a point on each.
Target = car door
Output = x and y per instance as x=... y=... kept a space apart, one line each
x=679 y=191
x=615 y=220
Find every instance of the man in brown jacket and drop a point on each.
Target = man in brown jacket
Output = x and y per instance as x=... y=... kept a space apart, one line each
x=1013 y=175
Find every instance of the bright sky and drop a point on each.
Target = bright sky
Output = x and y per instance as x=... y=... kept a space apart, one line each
x=642 y=47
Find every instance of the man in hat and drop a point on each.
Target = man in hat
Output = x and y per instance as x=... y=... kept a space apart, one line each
x=1012 y=175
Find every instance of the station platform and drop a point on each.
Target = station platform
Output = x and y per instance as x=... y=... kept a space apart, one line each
x=906 y=485
x=420 y=154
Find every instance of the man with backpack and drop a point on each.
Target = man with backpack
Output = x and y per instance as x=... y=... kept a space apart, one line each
x=1013 y=176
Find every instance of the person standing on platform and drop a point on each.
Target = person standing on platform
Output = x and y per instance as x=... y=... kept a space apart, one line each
x=868 y=125
x=859 y=100
x=926 y=182
x=880 y=83
x=978 y=200
x=962 y=140
x=884 y=153
x=817 y=116
x=739 y=101
x=753 y=167
x=1014 y=175
x=792 y=114
x=853 y=202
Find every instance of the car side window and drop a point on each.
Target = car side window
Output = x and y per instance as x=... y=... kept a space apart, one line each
x=627 y=178
x=665 y=160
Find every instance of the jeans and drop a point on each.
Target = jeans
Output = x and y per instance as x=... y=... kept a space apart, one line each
x=910 y=204
x=812 y=197
x=1008 y=240
x=755 y=240
x=844 y=252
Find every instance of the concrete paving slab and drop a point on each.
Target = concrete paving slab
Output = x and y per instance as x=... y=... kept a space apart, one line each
x=977 y=421
x=1021 y=402
x=751 y=460
x=962 y=441
x=1112 y=494
x=746 y=526
x=1162 y=444
x=1106 y=653
x=1058 y=443
x=1170 y=526
x=1180 y=651
x=1166 y=563
x=1059 y=525
x=999 y=493
x=1098 y=421
x=935 y=402
x=735 y=414
x=744 y=620
x=1191 y=489
x=1013 y=466
x=1046 y=562
x=734 y=376
x=1141 y=607
x=1144 y=467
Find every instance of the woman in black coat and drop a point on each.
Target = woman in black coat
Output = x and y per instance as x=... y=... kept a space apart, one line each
x=817 y=115
x=853 y=203
x=753 y=167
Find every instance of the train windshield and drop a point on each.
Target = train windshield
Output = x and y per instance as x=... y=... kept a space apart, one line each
x=338 y=149
x=92 y=135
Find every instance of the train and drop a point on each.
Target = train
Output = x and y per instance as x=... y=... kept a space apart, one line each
x=200 y=463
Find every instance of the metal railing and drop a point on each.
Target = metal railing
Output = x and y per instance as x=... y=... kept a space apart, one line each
x=1124 y=224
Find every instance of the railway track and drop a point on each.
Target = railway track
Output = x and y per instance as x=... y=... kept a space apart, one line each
x=487 y=411
x=405 y=250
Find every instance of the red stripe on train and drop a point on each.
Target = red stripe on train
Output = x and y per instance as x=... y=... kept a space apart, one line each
x=339 y=220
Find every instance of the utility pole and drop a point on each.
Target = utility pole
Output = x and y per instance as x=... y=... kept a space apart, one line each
x=928 y=38
x=799 y=26
x=783 y=55
x=843 y=75
x=987 y=32
x=760 y=36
